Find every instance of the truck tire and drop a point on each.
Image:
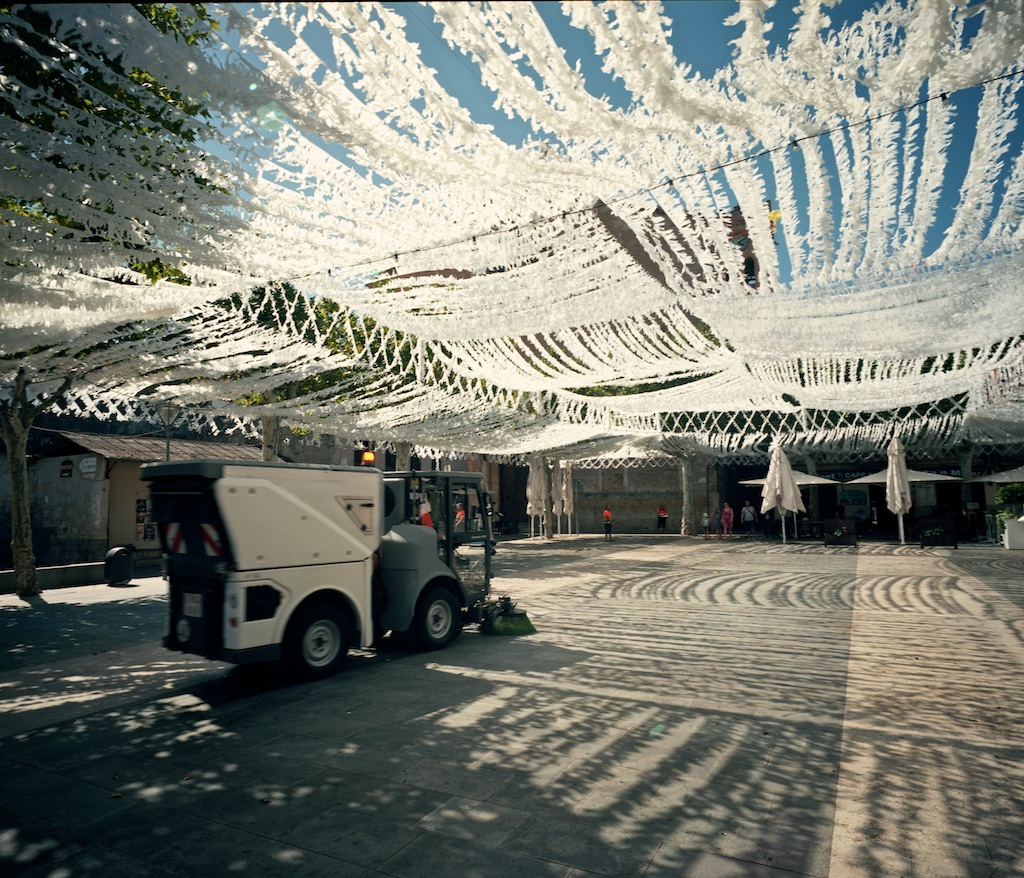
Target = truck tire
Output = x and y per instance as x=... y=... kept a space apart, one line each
x=318 y=640
x=438 y=619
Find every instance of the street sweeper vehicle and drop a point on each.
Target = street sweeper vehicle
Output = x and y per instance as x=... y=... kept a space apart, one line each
x=299 y=563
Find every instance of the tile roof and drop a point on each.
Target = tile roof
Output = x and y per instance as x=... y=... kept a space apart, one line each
x=149 y=449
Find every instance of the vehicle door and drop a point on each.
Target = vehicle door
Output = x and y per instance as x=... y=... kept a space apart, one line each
x=471 y=539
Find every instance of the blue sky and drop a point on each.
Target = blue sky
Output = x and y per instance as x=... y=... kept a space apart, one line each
x=699 y=37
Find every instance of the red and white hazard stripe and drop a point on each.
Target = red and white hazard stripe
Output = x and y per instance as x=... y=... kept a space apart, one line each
x=211 y=541
x=174 y=537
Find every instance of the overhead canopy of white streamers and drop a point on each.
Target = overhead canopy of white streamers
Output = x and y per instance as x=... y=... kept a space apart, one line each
x=525 y=228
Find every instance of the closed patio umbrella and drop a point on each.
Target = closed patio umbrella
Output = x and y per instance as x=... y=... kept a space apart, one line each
x=804 y=480
x=568 y=499
x=911 y=475
x=897 y=483
x=560 y=482
x=780 y=489
x=537 y=490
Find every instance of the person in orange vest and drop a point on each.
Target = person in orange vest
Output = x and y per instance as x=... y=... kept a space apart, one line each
x=425 y=518
x=607 y=525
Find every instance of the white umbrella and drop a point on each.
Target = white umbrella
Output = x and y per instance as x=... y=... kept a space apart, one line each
x=780 y=488
x=804 y=480
x=556 y=491
x=561 y=495
x=568 y=500
x=897 y=483
x=536 y=490
x=913 y=475
x=893 y=494
x=1006 y=477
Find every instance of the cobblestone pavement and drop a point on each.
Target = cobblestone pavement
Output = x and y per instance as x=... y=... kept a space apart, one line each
x=686 y=708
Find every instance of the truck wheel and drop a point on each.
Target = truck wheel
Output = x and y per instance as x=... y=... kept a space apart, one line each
x=437 y=620
x=318 y=640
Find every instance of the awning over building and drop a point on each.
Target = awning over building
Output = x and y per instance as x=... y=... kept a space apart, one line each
x=147 y=449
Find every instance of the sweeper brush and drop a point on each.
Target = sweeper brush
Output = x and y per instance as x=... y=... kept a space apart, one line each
x=507 y=620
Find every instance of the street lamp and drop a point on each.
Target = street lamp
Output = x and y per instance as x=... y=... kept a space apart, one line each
x=168 y=412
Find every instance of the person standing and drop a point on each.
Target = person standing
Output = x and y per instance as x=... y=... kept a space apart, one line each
x=662 y=518
x=748 y=515
x=716 y=522
x=607 y=516
x=706 y=524
x=727 y=517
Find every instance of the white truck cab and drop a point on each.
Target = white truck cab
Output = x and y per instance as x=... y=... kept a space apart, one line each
x=300 y=563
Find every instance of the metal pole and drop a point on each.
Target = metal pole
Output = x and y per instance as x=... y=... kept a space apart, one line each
x=168 y=412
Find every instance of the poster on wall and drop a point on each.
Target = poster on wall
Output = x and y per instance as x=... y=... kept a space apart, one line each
x=145 y=529
x=87 y=467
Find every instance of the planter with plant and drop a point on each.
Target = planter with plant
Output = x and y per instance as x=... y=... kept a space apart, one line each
x=840 y=537
x=938 y=536
x=1010 y=499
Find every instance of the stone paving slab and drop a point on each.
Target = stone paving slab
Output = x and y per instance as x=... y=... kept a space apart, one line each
x=686 y=708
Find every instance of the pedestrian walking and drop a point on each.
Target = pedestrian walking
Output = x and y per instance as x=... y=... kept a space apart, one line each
x=716 y=521
x=727 y=517
x=748 y=515
x=607 y=516
x=705 y=522
x=662 y=518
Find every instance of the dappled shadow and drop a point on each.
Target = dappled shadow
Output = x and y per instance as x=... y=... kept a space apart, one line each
x=1002 y=572
x=34 y=629
x=707 y=713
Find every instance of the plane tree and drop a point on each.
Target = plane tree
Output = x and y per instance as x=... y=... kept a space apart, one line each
x=84 y=126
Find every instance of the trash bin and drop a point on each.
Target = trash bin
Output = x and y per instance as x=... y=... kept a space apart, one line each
x=119 y=565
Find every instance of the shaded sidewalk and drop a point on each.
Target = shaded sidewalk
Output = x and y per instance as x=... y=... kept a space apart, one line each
x=686 y=708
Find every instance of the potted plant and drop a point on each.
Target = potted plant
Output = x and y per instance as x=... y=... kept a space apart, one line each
x=841 y=537
x=1011 y=528
x=938 y=536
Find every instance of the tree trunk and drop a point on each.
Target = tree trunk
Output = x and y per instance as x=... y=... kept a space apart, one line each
x=25 y=574
x=16 y=417
x=270 y=428
x=965 y=455
x=813 y=507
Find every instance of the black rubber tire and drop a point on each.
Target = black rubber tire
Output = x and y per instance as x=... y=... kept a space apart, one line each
x=318 y=641
x=438 y=619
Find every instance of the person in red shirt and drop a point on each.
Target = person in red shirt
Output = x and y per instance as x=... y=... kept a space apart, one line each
x=662 y=518
x=607 y=524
